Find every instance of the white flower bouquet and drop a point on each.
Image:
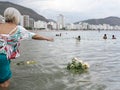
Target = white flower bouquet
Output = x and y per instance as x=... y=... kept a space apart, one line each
x=77 y=65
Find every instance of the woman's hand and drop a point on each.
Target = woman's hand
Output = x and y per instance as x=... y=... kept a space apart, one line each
x=39 y=37
x=50 y=39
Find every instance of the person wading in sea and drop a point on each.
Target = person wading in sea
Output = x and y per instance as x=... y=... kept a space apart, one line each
x=105 y=36
x=10 y=36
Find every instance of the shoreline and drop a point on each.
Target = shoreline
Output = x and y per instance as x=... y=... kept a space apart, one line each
x=68 y=30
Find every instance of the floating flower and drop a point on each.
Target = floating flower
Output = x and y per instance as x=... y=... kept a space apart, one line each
x=77 y=65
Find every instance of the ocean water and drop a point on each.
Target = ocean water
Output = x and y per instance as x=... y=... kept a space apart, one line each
x=48 y=70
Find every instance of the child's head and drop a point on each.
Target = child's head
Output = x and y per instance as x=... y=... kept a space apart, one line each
x=12 y=15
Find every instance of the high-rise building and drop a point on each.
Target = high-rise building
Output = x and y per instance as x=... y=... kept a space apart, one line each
x=31 y=23
x=21 y=20
x=26 y=20
x=2 y=19
x=60 y=21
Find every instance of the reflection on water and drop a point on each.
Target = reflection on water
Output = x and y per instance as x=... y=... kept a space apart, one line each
x=49 y=72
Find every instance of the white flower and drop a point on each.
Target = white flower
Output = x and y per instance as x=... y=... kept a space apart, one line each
x=28 y=62
x=80 y=61
x=86 y=65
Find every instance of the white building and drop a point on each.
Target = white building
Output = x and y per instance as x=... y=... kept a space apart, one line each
x=52 y=25
x=60 y=21
x=26 y=20
x=40 y=25
x=2 y=19
x=31 y=23
x=68 y=26
x=21 y=20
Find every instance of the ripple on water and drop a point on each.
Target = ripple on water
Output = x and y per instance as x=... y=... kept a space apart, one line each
x=50 y=73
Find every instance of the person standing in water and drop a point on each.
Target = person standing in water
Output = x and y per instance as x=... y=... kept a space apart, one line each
x=105 y=36
x=113 y=37
x=78 y=38
x=10 y=36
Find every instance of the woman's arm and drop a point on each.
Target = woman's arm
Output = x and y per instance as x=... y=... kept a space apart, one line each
x=39 y=37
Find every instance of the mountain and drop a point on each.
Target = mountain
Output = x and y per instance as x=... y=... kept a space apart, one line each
x=23 y=10
x=108 y=20
x=51 y=20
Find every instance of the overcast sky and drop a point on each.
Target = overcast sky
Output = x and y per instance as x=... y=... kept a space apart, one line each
x=73 y=10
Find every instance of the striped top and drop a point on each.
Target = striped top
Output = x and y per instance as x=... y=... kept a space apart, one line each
x=9 y=43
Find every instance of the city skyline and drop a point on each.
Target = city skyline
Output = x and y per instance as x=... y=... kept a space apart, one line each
x=73 y=10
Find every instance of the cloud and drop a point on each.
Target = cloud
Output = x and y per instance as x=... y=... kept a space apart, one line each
x=70 y=5
x=73 y=8
x=62 y=5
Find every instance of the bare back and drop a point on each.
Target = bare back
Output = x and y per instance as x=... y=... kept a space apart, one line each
x=6 y=28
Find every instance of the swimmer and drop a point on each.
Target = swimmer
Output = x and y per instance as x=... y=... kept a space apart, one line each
x=113 y=37
x=105 y=36
x=78 y=38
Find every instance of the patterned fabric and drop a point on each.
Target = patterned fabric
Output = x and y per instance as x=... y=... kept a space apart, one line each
x=9 y=43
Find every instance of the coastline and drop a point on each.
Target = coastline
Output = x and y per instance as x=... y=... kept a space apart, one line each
x=67 y=30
